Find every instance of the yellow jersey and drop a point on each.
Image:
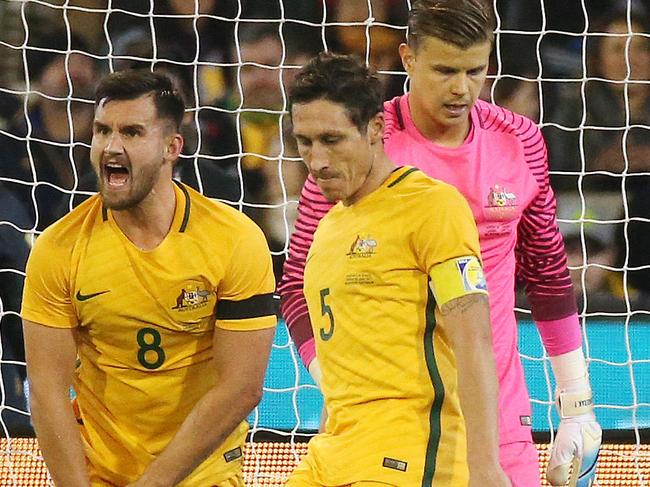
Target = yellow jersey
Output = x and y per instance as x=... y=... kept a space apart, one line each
x=145 y=323
x=373 y=276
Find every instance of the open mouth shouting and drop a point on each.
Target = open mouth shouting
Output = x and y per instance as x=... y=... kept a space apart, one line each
x=115 y=175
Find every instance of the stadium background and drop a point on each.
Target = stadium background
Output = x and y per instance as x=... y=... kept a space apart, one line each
x=234 y=77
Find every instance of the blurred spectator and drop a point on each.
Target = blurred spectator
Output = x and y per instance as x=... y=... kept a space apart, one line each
x=519 y=95
x=14 y=32
x=284 y=181
x=9 y=106
x=260 y=96
x=637 y=255
x=258 y=101
x=23 y=22
x=589 y=259
x=45 y=151
x=559 y=48
x=616 y=108
x=616 y=133
x=623 y=98
x=86 y=20
x=209 y=162
x=197 y=34
x=268 y=65
x=298 y=20
x=13 y=257
x=377 y=43
x=593 y=242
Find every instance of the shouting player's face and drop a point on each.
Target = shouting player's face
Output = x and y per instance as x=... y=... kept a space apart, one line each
x=445 y=82
x=132 y=151
x=339 y=156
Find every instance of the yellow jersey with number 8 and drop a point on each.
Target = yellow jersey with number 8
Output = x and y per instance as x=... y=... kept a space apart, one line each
x=145 y=322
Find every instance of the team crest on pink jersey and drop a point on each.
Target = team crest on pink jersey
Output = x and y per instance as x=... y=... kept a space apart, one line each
x=362 y=247
x=501 y=204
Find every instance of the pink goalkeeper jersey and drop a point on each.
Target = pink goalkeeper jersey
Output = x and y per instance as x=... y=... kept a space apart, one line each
x=502 y=171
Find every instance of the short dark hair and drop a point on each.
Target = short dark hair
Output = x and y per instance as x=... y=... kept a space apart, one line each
x=343 y=79
x=134 y=83
x=462 y=23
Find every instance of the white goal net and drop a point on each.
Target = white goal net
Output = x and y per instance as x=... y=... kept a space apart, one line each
x=578 y=68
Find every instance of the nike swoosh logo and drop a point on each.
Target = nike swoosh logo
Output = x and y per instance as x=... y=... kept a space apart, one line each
x=86 y=297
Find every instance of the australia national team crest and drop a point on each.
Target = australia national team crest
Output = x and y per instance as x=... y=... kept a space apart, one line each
x=362 y=247
x=192 y=296
x=501 y=203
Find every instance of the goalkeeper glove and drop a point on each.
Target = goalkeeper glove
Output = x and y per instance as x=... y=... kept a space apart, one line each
x=578 y=437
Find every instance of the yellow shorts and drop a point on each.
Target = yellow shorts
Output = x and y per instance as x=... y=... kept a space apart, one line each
x=234 y=481
x=303 y=476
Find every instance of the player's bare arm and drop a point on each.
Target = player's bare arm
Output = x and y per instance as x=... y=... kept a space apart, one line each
x=466 y=321
x=51 y=354
x=240 y=360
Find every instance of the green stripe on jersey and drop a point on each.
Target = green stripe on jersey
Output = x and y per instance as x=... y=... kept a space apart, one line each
x=401 y=178
x=439 y=391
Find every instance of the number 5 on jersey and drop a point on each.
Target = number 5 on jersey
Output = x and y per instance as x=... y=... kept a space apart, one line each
x=326 y=310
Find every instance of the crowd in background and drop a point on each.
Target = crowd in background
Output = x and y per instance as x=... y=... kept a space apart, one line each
x=233 y=62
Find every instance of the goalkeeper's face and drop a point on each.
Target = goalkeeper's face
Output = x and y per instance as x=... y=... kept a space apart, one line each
x=338 y=155
x=445 y=81
x=132 y=151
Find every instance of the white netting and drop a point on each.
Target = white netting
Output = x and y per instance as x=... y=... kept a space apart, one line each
x=234 y=60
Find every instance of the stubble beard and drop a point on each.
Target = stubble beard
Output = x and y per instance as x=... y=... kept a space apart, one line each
x=141 y=186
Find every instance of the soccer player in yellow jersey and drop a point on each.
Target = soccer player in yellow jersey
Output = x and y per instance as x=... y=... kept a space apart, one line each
x=397 y=301
x=165 y=299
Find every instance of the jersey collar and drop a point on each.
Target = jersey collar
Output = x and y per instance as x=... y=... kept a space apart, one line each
x=182 y=212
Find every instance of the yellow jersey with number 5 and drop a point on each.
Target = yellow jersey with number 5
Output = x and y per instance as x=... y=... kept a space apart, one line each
x=145 y=322
x=374 y=274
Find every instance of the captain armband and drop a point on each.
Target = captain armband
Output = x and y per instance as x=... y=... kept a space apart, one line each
x=457 y=277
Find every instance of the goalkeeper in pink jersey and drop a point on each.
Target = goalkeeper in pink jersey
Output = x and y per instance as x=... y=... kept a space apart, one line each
x=498 y=161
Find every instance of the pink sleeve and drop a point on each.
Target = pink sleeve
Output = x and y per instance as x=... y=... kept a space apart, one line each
x=541 y=258
x=560 y=336
x=312 y=207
